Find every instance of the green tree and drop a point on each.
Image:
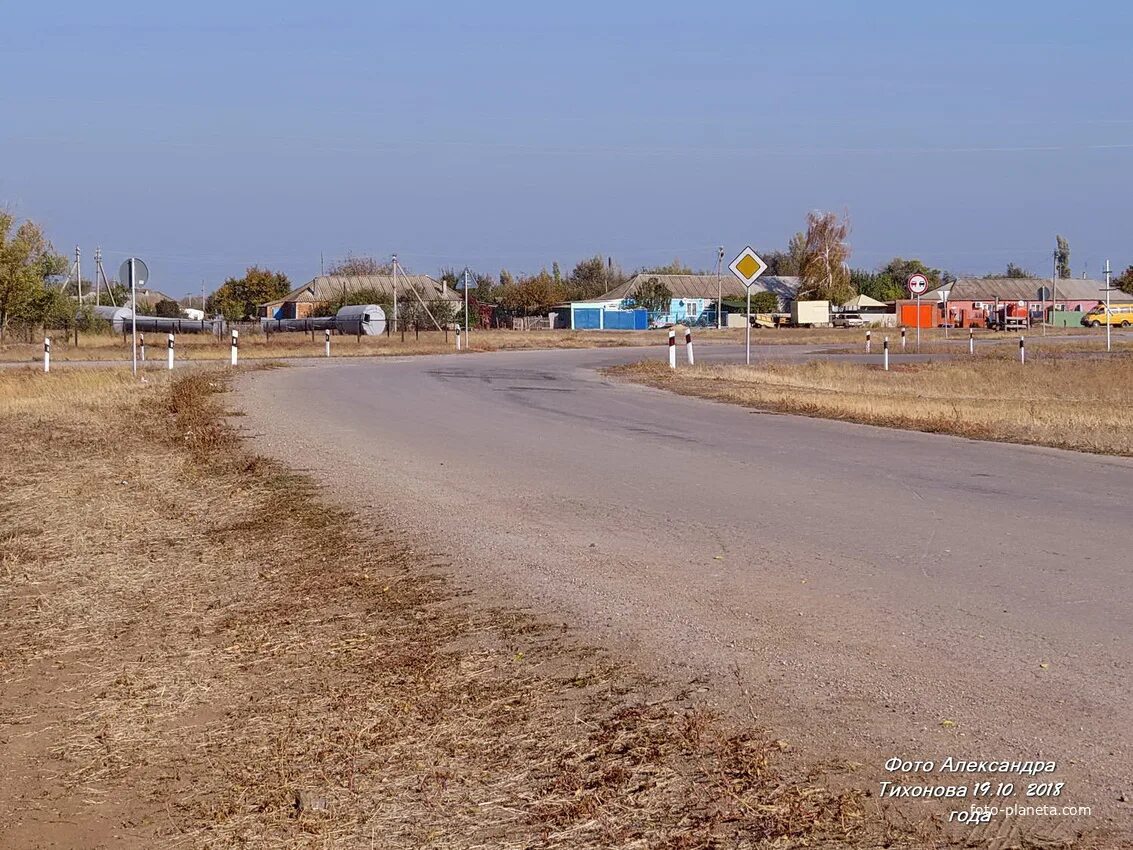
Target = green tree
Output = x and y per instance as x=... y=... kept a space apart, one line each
x=167 y=309
x=653 y=294
x=594 y=276
x=787 y=263
x=1015 y=271
x=239 y=298
x=883 y=287
x=1062 y=257
x=1124 y=281
x=764 y=302
x=27 y=264
x=825 y=275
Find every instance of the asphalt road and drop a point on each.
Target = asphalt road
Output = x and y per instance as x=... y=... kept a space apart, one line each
x=875 y=592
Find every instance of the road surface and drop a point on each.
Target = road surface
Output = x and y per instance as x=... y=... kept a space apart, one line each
x=877 y=593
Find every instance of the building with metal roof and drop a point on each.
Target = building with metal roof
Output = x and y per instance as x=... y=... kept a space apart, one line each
x=302 y=301
x=703 y=287
x=1071 y=289
x=693 y=296
x=975 y=301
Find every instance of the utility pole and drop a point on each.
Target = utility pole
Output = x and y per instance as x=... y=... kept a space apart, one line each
x=1054 y=289
x=79 y=273
x=466 y=276
x=1108 y=317
x=101 y=278
x=720 y=288
x=395 y=293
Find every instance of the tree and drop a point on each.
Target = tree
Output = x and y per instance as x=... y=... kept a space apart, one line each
x=653 y=294
x=27 y=264
x=167 y=309
x=764 y=302
x=1124 y=281
x=356 y=266
x=239 y=298
x=825 y=275
x=1015 y=271
x=1062 y=257
x=877 y=285
x=556 y=272
x=531 y=295
x=787 y=263
x=592 y=277
x=675 y=267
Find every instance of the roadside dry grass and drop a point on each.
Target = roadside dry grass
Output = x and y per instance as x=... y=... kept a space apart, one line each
x=1063 y=401
x=195 y=650
x=260 y=346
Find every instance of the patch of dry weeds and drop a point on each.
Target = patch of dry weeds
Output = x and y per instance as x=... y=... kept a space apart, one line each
x=1057 y=400
x=196 y=650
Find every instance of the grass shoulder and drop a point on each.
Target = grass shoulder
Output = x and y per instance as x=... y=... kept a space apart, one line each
x=1056 y=399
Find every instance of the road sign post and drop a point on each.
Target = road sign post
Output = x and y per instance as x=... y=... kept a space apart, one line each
x=748 y=266
x=466 y=283
x=918 y=285
x=135 y=273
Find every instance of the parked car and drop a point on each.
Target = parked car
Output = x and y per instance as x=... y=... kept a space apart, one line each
x=847 y=320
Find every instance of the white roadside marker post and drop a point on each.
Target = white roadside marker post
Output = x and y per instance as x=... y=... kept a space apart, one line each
x=868 y=340
x=1022 y=351
x=235 y=346
x=672 y=349
x=688 y=345
x=326 y=338
x=902 y=339
x=458 y=337
x=971 y=341
x=169 y=353
x=885 y=351
x=47 y=354
x=142 y=347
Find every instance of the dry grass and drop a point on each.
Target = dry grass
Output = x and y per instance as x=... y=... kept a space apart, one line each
x=255 y=346
x=196 y=651
x=1056 y=400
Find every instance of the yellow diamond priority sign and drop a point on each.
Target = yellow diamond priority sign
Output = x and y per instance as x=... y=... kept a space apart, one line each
x=748 y=266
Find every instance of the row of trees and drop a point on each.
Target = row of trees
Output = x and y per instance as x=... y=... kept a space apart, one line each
x=819 y=256
x=32 y=273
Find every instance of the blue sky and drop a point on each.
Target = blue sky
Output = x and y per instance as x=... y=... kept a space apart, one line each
x=209 y=136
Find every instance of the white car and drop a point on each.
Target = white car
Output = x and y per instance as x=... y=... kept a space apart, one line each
x=847 y=320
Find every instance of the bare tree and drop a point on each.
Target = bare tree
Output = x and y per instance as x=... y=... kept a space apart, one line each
x=355 y=266
x=825 y=273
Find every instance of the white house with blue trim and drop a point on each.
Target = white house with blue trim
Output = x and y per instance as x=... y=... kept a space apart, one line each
x=693 y=295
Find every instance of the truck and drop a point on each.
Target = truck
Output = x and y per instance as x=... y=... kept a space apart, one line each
x=810 y=314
